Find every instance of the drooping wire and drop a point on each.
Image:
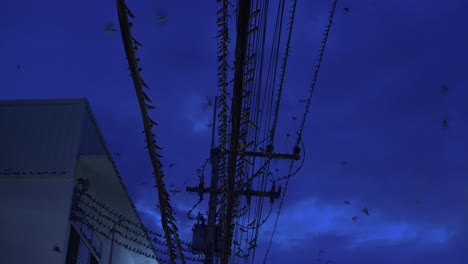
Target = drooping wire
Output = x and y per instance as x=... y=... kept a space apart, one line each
x=167 y=212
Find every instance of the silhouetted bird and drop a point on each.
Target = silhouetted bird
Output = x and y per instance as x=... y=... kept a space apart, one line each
x=346 y=10
x=364 y=210
x=117 y=154
x=444 y=89
x=288 y=135
x=347 y=202
x=161 y=17
x=354 y=218
x=208 y=103
x=294 y=118
x=57 y=249
x=18 y=67
x=110 y=28
x=445 y=123
x=343 y=162
x=171 y=165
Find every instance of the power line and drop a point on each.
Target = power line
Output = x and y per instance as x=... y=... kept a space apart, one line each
x=301 y=128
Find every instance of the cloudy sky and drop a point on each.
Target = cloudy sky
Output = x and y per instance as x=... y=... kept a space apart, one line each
x=378 y=105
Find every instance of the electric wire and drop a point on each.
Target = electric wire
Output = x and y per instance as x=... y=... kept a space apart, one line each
x=302 y=124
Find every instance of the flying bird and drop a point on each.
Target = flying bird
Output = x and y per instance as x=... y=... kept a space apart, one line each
x=110 y=28
x=57 y=249
x=445 y=123
x=354 y=218
x=347 y=202
x=161 y=17
x=444 y=89
x=294 y=118
x=208 y=103
x=174 y=192
x=346 y=10
x=288 y=135
x=364 y=210
x=343 y=162
x=18 y=67
x=171 y=165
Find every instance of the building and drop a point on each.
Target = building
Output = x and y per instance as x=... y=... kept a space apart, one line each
x=61 y=195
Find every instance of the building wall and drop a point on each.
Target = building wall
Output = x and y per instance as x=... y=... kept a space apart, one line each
x=38 y=146
x=40 y=136
x=34 y=219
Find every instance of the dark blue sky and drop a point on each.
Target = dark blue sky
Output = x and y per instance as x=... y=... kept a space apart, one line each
x=378 y=105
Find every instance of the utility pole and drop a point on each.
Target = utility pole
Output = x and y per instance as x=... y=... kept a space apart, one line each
x=212 y=242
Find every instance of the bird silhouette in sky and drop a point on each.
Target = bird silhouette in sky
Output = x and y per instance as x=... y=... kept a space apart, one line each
x=445 y=89
x=343 y=162
x=174 y=192
x=364 y=210
x=347 y=202
x=208 y=103
x=57 y=249
x=288 y=135
x=117 y=154
x=18 y=67
x=161 y=17
x=171 y=165
x=354 y=218
x=445 y=123
x=110 y=28
x=346 y=9
x=294 y=118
